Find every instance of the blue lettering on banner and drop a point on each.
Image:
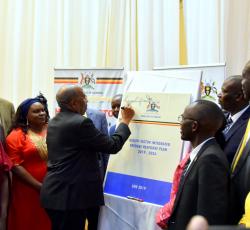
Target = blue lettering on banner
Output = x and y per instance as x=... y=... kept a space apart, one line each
x=147 y=190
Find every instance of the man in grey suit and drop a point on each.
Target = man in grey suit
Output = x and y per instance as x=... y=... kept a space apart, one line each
x=72 y=189
x=203 y=187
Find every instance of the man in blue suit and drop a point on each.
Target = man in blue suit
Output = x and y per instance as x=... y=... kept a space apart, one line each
x=115 y=106
x=100 y=122
x=231 y=99
x=240 y=179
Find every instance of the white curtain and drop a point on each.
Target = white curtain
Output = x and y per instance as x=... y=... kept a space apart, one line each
x=218 y=31
x=237 y=35
x=38 y=35
x=204 y=21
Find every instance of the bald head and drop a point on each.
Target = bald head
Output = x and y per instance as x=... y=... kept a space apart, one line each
x=73 y=98
x=66 y=94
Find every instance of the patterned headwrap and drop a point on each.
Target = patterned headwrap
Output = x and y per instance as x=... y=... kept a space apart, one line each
x=25 y=105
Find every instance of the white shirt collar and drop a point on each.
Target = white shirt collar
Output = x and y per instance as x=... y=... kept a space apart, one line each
x=195 y=151
x=236 y=116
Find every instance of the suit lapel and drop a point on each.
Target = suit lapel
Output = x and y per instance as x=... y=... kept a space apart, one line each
x=242 y=119
x=234 y=128
x=242 y=159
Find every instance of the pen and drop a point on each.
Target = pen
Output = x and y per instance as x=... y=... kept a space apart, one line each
x=134 y=198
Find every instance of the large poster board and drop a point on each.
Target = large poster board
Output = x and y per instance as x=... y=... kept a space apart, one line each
x=152 y=151
x=213 y=76
x=99 y=84
x=169 y=82
x=120 y=210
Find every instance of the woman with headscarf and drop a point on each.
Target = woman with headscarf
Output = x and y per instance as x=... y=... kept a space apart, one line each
x=27 y=149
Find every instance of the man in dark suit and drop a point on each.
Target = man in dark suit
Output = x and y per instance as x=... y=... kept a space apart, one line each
x=204 y=184
x=100 y=122
x=72 y=189
x=240 y=170
x=231 y=99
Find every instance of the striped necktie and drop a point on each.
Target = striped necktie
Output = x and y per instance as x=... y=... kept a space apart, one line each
x=228 y=125
x=241 y=147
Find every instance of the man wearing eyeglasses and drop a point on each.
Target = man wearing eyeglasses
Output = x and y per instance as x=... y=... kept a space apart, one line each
x=203 y=185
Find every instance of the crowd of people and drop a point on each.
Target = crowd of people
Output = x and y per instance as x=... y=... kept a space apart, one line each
x=213 y=179
x=52 y=170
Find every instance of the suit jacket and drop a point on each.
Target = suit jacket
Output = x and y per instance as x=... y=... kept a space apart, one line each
x=205 y=189
x=7 y=114
x=112 y=130
x=73 y=179
x=235 y=134
x=240 y=185
x=100 y=122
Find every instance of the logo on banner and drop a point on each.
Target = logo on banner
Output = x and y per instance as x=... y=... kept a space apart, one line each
x=208 y=89
x=149 y=106
x=153 y=105
x=87 y=81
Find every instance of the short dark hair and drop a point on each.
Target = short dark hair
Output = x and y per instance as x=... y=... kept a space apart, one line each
x=234 y=78
x=210 y=114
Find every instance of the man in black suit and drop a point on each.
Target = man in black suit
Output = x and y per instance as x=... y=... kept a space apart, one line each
x=240 y=170
x=231 y=99
x=204 y=184
x=72 y=189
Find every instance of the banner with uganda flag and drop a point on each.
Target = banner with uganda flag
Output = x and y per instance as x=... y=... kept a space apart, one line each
x=99 y=84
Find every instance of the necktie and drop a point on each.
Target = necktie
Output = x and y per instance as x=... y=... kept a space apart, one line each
x=228 y=125
x=185 y=168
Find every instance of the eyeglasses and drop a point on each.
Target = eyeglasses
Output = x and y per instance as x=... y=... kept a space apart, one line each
x=181 y=118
